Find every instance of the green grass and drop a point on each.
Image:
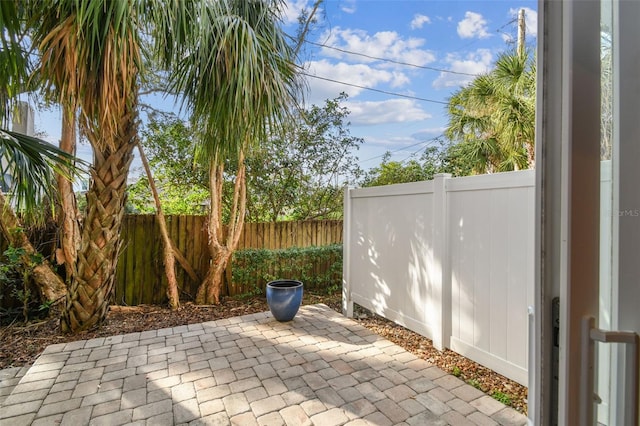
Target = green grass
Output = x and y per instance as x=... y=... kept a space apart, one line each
x=502 y=397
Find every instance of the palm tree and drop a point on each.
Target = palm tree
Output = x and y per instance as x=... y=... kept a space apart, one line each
x=27 y=168
x=493 y=118
x=90 y=54
x=228 y=57
x=14 y=63
x=254 y=83
x=27 y=164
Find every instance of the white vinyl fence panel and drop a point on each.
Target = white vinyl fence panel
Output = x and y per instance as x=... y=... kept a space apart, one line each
x=451 y=259
x=491 y=241
x=390 y=252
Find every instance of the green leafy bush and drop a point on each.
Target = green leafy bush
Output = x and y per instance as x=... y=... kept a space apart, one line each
x=15 y=284
x=318 y=267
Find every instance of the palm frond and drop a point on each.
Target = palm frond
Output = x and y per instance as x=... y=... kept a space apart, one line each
x=90 y=59
x=14 y=63
x=27 y=167
x=238 y=74
x=498 y=106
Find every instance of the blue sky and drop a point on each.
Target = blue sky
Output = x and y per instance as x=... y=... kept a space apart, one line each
x=462 y=38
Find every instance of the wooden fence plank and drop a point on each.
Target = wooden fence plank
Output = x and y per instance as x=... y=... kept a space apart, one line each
x=154 y=267
x=140 y=275
x=121 y=270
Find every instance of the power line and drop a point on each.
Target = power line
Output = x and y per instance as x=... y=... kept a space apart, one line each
x=404 y=148
x=375 y=90
x=390 y=60
x=426 y=144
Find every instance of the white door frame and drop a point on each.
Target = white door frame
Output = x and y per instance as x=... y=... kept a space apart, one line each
x=567 y=200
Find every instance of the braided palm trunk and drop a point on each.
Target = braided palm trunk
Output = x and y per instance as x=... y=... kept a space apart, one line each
x=88 y=298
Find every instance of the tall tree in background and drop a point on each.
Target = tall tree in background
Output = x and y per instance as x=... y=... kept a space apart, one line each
x=170 y=143
x=493 y=118
x=438 y=157
x=314 y=161
x=296 y=173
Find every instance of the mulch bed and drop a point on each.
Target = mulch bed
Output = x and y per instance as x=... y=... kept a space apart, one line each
x=20 y=344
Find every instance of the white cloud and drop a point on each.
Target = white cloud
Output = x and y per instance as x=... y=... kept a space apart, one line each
x=419 y=20
x=473 y=26
x=507 y=38
x=384 y=112
x=428 y=133
x=357 y=74
x=474 y=63
x=349 y=6
x=530 y=20
x=383 y=44
x=292 y=9
x=391 y=141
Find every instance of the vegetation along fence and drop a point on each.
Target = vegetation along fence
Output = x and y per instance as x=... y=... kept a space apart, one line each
x=306 y=250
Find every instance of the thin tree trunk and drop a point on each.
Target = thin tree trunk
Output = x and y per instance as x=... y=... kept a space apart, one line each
x=221 y=252
x=303 y=33
x=175 y=251
x=90 y=291
x=186 y=265
x=68 y=220
x=51 y=286
x=167 y=246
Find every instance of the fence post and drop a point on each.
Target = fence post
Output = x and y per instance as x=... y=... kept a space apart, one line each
x=347 y=302
x=442 y=277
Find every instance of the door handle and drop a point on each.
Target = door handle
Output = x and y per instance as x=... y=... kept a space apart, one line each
x=592 y=334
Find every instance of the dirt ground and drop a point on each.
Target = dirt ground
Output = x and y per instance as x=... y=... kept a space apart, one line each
x=20 y=344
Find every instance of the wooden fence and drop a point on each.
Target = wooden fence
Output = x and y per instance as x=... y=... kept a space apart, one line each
x=140 y=275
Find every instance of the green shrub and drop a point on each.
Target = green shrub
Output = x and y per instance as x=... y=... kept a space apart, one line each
x=16 y=285
x=318 y=267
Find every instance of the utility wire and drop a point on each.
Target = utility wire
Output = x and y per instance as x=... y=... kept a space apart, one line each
x=428 y=141
x=375 y=90
x=389 y=60
x=426 y=144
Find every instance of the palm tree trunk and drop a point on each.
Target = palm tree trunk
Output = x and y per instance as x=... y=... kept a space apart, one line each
x=68 y=221
x=167 y=245
x=49 y=283
x=221 y=248
x=88 y=297
x=531 y=156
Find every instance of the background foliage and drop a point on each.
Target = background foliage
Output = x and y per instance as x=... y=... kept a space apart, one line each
x=299 y=174
x=295 y=174
x=319 y=268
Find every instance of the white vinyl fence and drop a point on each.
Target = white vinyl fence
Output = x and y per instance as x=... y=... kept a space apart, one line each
x=451 y=259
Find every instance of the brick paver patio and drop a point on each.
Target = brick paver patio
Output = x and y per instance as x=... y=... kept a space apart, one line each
x=319 y=369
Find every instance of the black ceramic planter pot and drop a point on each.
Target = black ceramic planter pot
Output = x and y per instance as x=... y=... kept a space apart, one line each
x=284 y=298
